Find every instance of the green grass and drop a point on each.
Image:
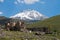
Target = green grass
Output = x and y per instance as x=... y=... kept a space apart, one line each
x=52 y=23
x=16 y=35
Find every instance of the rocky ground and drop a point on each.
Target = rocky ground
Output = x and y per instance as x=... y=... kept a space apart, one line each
x=17 y=35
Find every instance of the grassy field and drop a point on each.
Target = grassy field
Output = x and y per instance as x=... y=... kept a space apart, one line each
x=52 y=23
x=17 y=35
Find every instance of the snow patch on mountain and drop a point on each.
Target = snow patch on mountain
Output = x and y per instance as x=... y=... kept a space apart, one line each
x=29 y=15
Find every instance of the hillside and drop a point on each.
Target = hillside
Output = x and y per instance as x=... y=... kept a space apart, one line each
x=3 y=20
x=53 y=23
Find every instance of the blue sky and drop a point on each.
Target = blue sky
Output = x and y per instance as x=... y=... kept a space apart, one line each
x=46 y=7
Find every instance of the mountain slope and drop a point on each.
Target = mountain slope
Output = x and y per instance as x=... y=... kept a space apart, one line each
x=53 y=23
x=3 y=20
x=29 y=15
x=55 y=20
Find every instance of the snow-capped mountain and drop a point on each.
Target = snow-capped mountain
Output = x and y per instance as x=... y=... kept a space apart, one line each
x=29 y=15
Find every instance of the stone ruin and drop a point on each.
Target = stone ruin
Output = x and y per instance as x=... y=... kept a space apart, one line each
x=15 y=26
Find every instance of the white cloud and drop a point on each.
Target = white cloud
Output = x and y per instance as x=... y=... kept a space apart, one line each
x=42 y=2
x=27 y=1
x=1 y=12
x=1 y=0
x=15 y=2
x=30 y=1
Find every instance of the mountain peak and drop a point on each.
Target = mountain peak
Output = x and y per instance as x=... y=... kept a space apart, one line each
x=29 y=15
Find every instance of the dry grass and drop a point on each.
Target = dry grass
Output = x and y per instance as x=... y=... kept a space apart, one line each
x=16 y=35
